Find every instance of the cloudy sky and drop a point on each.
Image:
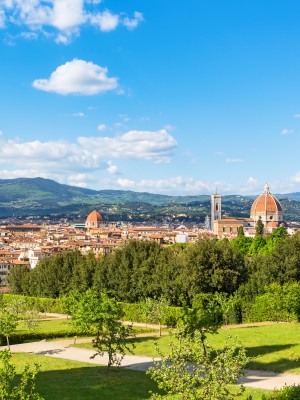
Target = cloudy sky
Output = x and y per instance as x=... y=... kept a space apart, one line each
x=158 y=96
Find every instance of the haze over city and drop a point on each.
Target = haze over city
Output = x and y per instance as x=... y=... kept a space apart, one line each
x=153 y=96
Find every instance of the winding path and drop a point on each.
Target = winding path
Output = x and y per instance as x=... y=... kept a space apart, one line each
x=60 y=349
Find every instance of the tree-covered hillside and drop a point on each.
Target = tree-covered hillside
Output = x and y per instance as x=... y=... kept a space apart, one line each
x=38 y=196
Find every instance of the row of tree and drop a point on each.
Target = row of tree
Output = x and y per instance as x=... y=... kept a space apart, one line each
x=178 y=273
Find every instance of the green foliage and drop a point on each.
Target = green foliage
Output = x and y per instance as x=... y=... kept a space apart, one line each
x=39 y=304
x=209 y=266
x=241 y=244
x=8 y=323
x=154 y=310
x=241 y=231
x=287 y=393
x=279 y=303
x=94 y=311
x=24 y=389
x=259 y=228
x=194 y=371
x=57 y=275
x=204 y=317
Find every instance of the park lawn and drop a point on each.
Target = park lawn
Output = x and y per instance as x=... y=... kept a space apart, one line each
x=272 y=347
x=70 y=380
x=53 y=326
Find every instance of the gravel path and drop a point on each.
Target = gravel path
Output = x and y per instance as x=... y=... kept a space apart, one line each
x=255 y=379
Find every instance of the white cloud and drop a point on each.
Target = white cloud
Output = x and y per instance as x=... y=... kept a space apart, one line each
x=175 y=185
x=61 y=159
x=234 y=160
x=105 y=21
x=62 y=38
x=286 y=131
x=169 y=127
x=77 y=77
x=29 y=35
x=64 y=16
x=79 y=115
x=101 y=127
x=296 y=178
x=134 y=22
x=2 y=19
x=67 y=14
x=151 y=146
x=296 y=115
x=125 y=183
x=111 y=168
x=94 y=2
x=81 y=180
x=252 y=181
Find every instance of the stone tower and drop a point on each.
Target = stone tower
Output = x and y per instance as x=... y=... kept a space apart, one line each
x=215 y=208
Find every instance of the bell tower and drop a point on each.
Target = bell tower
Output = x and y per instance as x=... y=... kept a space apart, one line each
x=215 y=208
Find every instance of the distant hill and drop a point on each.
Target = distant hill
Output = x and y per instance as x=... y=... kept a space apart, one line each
x=39 y=196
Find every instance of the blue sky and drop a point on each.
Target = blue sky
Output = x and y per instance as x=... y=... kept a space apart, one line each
x=157 y=96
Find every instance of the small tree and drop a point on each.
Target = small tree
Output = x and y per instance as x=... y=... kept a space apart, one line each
x=96 y=312
x=145 y=306
x=259 y=228
x=205 y=317
x=11 y=313
x=240 y=231
x=8 y=324
x=157 y=309
x=10 y=388
x=193 y=372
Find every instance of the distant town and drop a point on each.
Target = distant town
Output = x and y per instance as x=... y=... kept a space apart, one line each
x=26 y=241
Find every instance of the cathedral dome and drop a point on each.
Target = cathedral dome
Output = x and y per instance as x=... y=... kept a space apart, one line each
x=267 y=208
x=93 y=220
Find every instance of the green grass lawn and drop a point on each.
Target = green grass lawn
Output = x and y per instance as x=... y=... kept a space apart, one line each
x=69 y=380
x=272 y=347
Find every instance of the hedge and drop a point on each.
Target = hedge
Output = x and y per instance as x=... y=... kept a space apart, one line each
x=40 y=304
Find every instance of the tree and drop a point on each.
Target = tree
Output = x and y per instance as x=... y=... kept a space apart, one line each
x=24 y=388
x=209 y=266
x=97 y=313
x=241 y=231
x=11 y=312
x=259 y=228
x=194 y=373
x=17 y=279
x=155 y=310
x=204 y=317
x=8 y=324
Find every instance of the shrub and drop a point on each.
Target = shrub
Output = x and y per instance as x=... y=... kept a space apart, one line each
x=287 y=393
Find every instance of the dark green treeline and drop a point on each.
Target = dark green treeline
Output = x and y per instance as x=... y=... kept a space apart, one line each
x=178 y=272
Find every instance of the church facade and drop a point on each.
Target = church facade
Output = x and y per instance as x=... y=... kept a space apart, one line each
x=265 y=207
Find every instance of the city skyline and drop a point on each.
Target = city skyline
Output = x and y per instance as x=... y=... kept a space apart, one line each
x=151 y=96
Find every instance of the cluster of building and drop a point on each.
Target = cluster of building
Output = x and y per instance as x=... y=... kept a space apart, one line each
x=265 y=207
x=28 y=244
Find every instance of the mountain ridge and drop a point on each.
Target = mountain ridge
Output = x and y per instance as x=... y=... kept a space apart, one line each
x=40 y=196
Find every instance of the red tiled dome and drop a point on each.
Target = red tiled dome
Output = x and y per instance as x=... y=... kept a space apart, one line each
x=94 y=216
x=266 y=203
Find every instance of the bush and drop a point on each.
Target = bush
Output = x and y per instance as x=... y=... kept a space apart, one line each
x=40 y=304
x=133 y=312
x=287 y=393
x=279 y=303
